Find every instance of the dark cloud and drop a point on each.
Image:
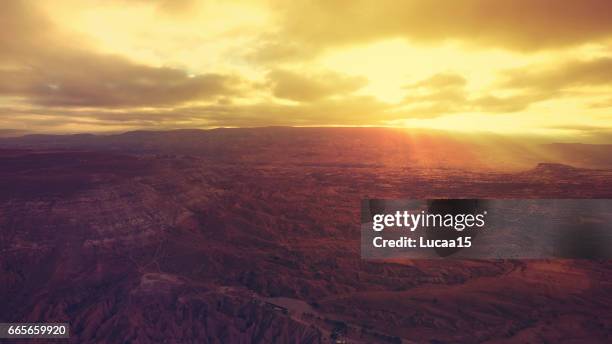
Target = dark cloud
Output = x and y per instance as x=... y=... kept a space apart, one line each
x=310 y=87
x=519 y=24
x=85 y=79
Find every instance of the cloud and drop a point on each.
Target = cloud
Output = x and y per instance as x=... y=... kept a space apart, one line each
x=273 y=48
x=55 y=78
x=163 y=7
x=311 y=87
x=576 y=73
x=55 y=81
x=350 y=110
x=526 y=25
x=507 y=104
x=445 y=93
x=40 y=64
x=176 y=7
x=607 y=103
x=85 y=79
x=441 y=80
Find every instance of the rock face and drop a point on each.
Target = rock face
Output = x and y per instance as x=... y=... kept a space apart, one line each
x=552 y=169
x=173 y=247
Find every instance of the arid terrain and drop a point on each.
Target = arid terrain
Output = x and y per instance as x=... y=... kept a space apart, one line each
x=252 y=236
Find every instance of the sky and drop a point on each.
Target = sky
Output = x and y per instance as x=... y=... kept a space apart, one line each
x=520 y=67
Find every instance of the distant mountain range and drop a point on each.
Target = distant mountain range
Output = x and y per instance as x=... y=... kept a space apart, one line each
x=12 y=132
x=352 y=146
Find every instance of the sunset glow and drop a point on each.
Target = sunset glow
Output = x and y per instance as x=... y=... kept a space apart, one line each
x=541 y=67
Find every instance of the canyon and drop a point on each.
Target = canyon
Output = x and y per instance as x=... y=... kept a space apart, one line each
x=252 y=236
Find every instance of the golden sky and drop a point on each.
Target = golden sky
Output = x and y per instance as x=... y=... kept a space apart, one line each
x=522 y=66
